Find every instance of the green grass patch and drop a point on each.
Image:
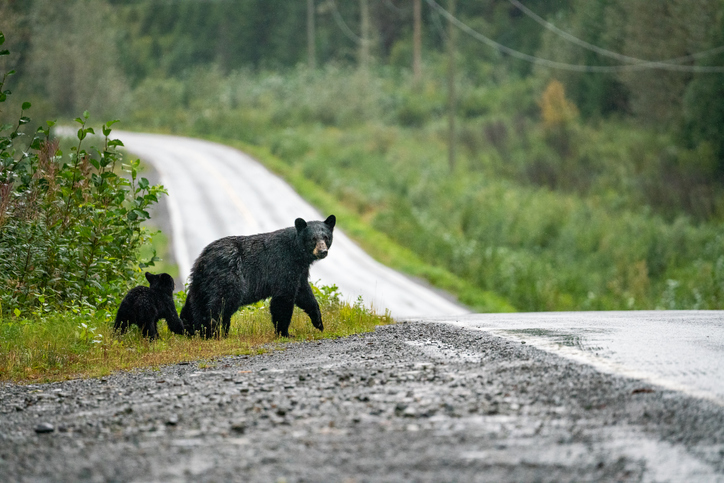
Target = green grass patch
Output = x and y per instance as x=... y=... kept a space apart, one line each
x=71 y=345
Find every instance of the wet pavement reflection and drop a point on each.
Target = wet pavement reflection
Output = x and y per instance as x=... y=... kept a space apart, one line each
x=679 y=350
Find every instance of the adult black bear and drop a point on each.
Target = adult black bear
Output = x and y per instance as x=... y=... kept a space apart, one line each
x=145 y=306
x=241 y=270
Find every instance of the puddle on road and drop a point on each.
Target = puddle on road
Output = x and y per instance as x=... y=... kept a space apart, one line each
x=595 y=347
x=441 y=351
x=563 y=338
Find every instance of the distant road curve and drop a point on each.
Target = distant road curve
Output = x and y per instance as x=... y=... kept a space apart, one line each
x=216 y=191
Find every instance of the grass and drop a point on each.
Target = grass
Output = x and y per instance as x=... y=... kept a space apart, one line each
x=71 y=345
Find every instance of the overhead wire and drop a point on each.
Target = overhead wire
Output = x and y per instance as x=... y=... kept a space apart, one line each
x=605 y=52
x=563 y=65
x=343 y=25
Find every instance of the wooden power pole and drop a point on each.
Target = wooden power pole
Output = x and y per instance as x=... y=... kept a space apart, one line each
x=417 y=42
x=364 y=57
x=311 y=44
x=452 y=101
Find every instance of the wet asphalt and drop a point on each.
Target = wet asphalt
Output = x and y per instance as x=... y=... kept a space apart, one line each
x=416 y=401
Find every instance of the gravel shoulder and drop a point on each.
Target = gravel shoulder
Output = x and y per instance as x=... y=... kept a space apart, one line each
x=409 y=402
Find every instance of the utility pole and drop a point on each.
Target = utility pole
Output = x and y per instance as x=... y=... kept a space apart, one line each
x=364 y=56
x=417 y=42
x=452 y=101
x=311 y=48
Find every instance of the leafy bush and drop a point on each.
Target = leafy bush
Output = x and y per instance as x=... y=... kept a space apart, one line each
x=70 y=226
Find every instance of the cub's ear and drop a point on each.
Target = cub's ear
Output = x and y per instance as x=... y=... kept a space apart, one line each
x=330 y=221
x=300 y=225
x=168 y=281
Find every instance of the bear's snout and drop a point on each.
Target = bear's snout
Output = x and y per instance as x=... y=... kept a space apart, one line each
x=320 y=250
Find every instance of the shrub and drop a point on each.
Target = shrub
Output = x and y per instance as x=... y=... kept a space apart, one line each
x=70 y=227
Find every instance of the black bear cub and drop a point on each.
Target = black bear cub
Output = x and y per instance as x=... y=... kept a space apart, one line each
x=241 y=270
x=145 y=306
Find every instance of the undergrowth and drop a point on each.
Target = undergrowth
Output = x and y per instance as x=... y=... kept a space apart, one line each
x=67 y=345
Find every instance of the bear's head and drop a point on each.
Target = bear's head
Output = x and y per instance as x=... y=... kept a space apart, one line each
x=316 y=236
x=163 y=282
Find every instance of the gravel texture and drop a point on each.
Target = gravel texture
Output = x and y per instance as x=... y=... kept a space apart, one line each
x=409 y=402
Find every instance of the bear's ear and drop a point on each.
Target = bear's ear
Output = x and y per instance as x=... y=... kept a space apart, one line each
x=330 y=221
x=150 y=277
x=300 y=224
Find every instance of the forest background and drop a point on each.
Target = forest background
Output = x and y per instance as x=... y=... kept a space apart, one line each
x=567 y=188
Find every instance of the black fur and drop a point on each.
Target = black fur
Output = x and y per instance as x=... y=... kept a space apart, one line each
x=241 y=270
x=145 y=306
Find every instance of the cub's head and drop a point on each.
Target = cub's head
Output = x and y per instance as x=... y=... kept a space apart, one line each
x=163 y=282
x=316 y=236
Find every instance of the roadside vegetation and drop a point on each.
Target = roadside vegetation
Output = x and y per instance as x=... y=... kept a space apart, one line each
x=69 y=344
x=543 y=210
x=72 y=243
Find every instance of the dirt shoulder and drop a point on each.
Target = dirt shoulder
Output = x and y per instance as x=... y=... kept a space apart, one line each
x=409 y=402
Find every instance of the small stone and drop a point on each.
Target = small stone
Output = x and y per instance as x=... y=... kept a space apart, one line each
x=239 y=426
x=172 y=420
x=44 y=428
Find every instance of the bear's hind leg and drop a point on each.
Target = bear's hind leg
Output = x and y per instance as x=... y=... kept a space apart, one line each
x=226 y=319
x=150 y=330
x=281 y=309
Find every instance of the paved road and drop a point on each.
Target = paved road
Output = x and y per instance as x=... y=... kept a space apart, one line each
x=412 y=402
x=679 y=350
x=216 y=191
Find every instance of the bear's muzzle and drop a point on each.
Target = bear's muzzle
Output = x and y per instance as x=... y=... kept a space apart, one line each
x=320 y=250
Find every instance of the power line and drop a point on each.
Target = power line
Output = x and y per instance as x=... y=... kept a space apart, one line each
x=608 y=53
x=343 y=25
x=565 y=66
x=392 y=6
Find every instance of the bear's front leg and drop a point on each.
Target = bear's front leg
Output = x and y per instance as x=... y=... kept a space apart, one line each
x=306 y=301
x=282 y=308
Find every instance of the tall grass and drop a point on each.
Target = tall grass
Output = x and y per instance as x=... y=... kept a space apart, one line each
x=64 y=345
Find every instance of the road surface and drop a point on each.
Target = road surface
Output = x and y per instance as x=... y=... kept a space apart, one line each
x=411 y=402
x=217 y=191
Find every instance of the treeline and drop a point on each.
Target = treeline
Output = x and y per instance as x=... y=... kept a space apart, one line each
x=80 y=54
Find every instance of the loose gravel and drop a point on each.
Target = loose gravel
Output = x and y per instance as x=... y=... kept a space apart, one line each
x=421 y=402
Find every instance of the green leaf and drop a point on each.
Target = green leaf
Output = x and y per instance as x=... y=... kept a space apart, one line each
x=2 y=38
x=143 y=184
x=4 y=52
x=26 y=106
x=51 y=123
x=77 y=119
x=86 y=114
x=12 y=72
x=81 y=134
x=90 y=130
x=24 y=120
x=16 y=312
